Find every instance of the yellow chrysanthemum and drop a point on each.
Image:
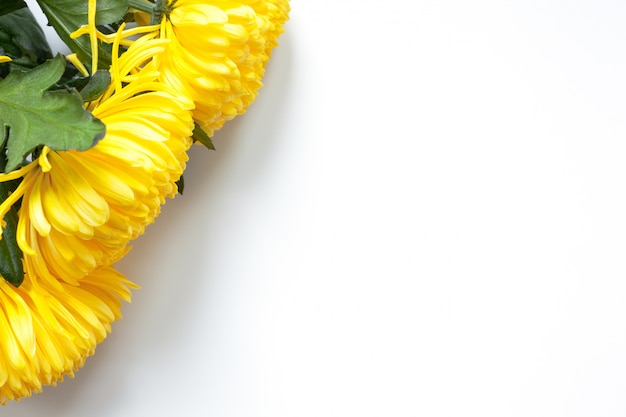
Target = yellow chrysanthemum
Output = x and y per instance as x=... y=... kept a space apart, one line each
x=49 y=331
x=218 y=53
x=80 y=209
x=78 y=212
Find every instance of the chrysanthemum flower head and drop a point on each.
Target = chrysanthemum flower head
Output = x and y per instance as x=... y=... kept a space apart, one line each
x=80 y=209
x=218 y=52
x=49 y=331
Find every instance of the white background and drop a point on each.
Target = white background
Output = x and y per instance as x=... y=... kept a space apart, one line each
x=423 y=214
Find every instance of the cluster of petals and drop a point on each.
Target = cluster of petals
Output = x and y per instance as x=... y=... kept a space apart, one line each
x=201 y=65
x=217 y=53
x=79 y=211
x=49 y=331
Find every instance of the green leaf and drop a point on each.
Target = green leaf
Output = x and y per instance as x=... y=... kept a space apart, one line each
x=34 y=117
x=181 y=185
x=11 y=267
x=22 y=39
x=68 y=15
x=200 y=135
x=96 y=86
x=8 y=6
x=142 y=5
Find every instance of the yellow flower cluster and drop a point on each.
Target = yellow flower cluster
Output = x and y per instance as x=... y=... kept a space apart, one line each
x=202 y=64
x=220 y=69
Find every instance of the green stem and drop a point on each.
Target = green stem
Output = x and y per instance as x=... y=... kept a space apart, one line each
x=142 y=5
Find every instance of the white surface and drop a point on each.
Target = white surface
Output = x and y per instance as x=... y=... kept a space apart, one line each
x=422 y=215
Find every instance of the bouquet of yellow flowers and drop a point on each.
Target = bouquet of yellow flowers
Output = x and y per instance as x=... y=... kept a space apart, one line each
x=93 y=144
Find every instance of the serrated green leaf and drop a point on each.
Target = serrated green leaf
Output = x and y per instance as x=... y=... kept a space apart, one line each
x=8 y=6
x=11 y=267
x=68 y=15
x=36 y=117
x=200 y=135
